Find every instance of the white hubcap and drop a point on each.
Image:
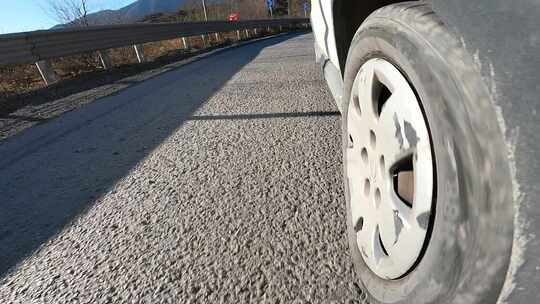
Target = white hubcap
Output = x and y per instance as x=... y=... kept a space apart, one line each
x=389 y=169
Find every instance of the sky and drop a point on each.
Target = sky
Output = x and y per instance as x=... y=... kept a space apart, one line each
x=28 y=15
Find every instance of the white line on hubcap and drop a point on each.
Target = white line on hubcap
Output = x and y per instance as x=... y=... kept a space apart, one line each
x=389 y=169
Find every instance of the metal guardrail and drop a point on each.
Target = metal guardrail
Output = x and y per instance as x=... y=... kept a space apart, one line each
x=31 y=47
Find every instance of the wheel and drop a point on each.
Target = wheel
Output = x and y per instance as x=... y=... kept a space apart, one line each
x=427 y=180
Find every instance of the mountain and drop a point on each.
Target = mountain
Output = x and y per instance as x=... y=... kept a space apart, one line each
x=132 y=12
x=141 y=8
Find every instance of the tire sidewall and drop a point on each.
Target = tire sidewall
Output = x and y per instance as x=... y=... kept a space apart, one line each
x=458 y=222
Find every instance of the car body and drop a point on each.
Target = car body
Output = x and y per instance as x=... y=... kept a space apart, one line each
x=503 y=38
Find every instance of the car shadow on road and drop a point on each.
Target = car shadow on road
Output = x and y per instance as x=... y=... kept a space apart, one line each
x=52 y=173
x=265 y=115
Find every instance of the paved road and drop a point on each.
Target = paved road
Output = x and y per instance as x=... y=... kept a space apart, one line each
x=217 y=182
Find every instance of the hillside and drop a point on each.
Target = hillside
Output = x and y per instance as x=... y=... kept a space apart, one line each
x=142 y=8
x=134 y=12
x=168 y=11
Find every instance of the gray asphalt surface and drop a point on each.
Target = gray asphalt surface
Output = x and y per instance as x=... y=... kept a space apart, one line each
x=219 y=181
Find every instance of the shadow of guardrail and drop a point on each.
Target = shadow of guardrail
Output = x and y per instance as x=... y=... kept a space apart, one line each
x=53 y=172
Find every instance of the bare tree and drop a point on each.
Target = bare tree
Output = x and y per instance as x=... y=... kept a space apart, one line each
x=193 y=9
x=291 y=8
x=220 y=10
x=250 y=9
x=69 y=12
x=72 y=13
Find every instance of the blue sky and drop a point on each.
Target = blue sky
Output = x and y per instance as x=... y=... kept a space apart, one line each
x=29 y=15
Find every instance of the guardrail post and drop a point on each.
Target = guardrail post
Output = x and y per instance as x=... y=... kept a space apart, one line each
x=105 y=59
x=139 y=52
x=203 y=40
x=185 y=42
x=46 y=71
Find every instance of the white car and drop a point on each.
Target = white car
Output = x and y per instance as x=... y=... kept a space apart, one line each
x=440 y=144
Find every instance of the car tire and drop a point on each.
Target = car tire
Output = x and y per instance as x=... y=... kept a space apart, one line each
x=469 y=229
